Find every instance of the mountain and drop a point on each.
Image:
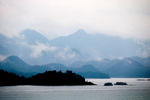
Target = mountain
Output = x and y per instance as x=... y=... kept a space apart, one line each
x=4 y=44
x=32 y=37
x=81 y=46
x=125 y=67
x=144 y=61
x=75 y=51
x=95 y=45
x=89 y=71
x=16 y=65
x=34 y=48
x=7 y=45
x=102 y=65
x=128 y=68
x=14 y=62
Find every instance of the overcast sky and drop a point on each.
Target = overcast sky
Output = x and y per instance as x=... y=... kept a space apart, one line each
x=125 y=18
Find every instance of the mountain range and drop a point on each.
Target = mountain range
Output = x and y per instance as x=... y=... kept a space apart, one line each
x=34 y=48
x=127 y=67
x=15 y=65
x=89 y=54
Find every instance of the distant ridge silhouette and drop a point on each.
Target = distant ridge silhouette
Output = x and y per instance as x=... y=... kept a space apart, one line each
x=16 y=65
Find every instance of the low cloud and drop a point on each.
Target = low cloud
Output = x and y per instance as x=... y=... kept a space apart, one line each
x=53 y=18
x=59 y=53
x=39 y=48
x=66 y=54
x=2 y=57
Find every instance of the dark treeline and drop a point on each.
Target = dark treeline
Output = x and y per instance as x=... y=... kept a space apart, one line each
x=47 y=78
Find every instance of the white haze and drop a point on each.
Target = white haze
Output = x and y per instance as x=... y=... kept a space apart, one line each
x=53 y=18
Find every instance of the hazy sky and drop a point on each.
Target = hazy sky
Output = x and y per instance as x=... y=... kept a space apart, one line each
x=125 y=18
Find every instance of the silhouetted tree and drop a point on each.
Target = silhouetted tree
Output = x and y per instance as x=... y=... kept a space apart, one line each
x=47 y=78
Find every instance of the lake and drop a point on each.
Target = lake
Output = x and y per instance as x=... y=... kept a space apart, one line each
x=135 y=90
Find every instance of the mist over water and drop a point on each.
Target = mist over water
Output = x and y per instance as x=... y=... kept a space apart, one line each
x=135 y=90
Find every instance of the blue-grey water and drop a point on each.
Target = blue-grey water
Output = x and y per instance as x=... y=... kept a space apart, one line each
x=135 y=90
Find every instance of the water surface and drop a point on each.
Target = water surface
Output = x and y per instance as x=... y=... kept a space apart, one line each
x=136 y=90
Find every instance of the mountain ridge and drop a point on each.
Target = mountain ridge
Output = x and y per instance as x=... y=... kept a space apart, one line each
x=16 y=65
x=79 y=45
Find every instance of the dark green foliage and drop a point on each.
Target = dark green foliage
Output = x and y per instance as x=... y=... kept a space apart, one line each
x=108 y=84
x=120 y=83
x=47 y=78
x=10 y=78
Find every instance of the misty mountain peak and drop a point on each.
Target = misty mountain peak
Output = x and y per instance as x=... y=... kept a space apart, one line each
x=32 y=36
x=27 y=32
x=80 y=32
x=14 y=59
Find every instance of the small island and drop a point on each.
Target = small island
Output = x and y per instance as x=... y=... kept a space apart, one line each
x=48 y=78
x=117 y=83
x=108 y=84
x=120 y=83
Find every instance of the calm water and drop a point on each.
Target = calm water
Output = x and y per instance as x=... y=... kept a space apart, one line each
x=136 y=90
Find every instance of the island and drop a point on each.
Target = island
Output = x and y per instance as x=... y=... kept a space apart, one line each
x=48 y=78
x=108 y=84
x=120 y=83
